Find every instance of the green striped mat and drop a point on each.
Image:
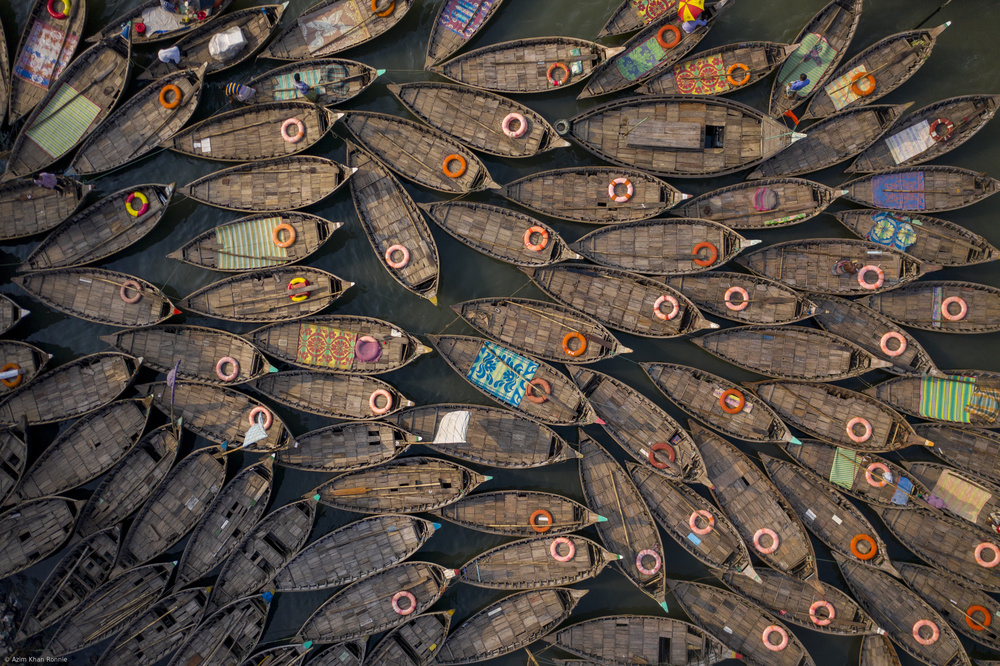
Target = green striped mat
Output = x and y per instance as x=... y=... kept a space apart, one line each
x=844 y=467
x=812 y=58
x=945 y=399
x=73 y=116
x=248 y=244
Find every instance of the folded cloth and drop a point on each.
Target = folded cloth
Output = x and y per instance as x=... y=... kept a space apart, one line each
x=902 y=494
x=452 y=428
x=844 y=468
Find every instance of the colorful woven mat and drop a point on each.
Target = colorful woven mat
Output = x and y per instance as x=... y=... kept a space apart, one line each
x=329 y=24
x=985 y=404
x=910 y=142
x=840 y=90
x=642 y=58
x=326 y=346
x=891 y=230
x=249 y=245
x=502 y=373
x=464 y=17
x=945 y=399
x=960 y=496
x=844 y=468
x=813 y=58
x=650 y=10
x=899 y=191
x=72 y=115
x=704 y=76
x=323 y=80
x=45 y=55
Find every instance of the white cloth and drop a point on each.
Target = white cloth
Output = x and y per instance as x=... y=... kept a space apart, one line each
x=171 y=55
x=452 y=428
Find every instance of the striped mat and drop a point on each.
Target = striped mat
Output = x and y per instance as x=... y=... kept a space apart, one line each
x=945 y=399
x=71 y=113
x=839 y=90
x=910 y=142
x=285 y=83
x=501 y=373
x=844 y=468
x=960 y=496
x=248 y=245
x=812 y=58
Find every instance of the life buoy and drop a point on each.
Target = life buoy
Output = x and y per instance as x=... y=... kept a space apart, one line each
x=766 y=638
x=540 y=245
x=742 y=401
x=134 y=286
x=671 y=29
x=675 y=307
x=562 y=127
x=142 y=199
x=163 y=96
x=736 y=307
x=815 y=617
x=881 y=481
x=293 y=138
x=373 y=401
x=976 y=626
x=713 y=253
x=657 y=562
x=554 y=549
x=268 y=417
x=863 y=437
x=223 y=362
x=551 y=72
x=544 y=388
x=774 y=540
x=59 y=16
x=462 y=166
x=403 y=594
x=865 y=284
x=522 y=127
x=963 y=308
x=949 y=129
x=574 y=335
x=872 y=547
x=733 y=68
x=276 y=235
x=385 y=12
x=393 y=249
x=298 y=282
x=613 y=187
x=706 y=516
x=538 y=525
x=858 y=90
x=884 y=344
x=661 y=446
x=12 y=383
x=935 y=632
x=986 y=545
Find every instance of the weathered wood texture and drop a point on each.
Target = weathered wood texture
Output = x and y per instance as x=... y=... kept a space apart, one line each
x=768 y=302
x=337 y=81
x=229 y=635
x=947 y=400
x=531 y=564
x=355 y=24
x=928 y=189
x=159 y=631
x=762 y=204
x=28 y=209
x=520 y=513
x=34 y=530
x=413 y=644
x=975 y=308
x=332 y=396
x=345 y=447
x=445 y=40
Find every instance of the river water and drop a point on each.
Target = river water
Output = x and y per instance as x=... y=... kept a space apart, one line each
x=964 y=61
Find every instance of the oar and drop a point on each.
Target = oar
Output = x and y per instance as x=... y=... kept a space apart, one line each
x=363 y=490
x=614 y=484
x=932 y=14
x=165 y=613
x=323 y=82
x=571 y=58
x=957 y=191
x=968 y=617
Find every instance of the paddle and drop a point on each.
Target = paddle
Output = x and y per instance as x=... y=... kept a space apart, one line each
x=363 y=490
x=571 y=58
x=932 y=14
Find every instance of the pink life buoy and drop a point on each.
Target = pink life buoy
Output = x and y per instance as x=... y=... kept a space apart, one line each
x=393 y=249
x=817 y=619
x=657 y=562
x=884 y=344
x=742 y=305
x=629 y=190
x=865 y=284
x=293 y=138
x=882 y=480
x=935 y=632
x=693 y=522
x=766 y=638
x=134 y=286
x=774 y=540
x=268 y=416
x=403 y=594
x=373 y=401
x=522 y=128
x=554 y=549
x=864 y=423
x=227 y=360
x=963 y=308
x=986 y=545
x=675 y=307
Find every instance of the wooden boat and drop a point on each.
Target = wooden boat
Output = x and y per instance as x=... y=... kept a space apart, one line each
x=631 y=534
x=141 y=123
x=644 y=56
x=61 y=120
x=971 y=307
x=773 y=302
x=228 y=635
x=809 y=264
x=34 y=530
x=331 y=395
x=961 y=396
x=85 y=450
x=30 y=79
x=644 y=430
x=28 y=360
x=828 y=515
x=629 y=17
x=479 y=119
x=267 y=295
x=934 y=240
x=912 y=141
x=4 y=75
x=752 y=632
x=644 y=133
x=970 y=449
x=279 y=655
x=71 y=390
x=13 y=456
x=929 y=189
x=84 y=567
x=174 y=508
x=719 y=403
x=10 y=313
x=415 y=484
x=541 y=329
x=524 y=66
x=623 y=639
x=28 y=209
x=339 y=619
x=160 y=28
x=828 y=612
x=391 y=220
x=455 y=24
x=962 y=606
x=719 y=71
x=352 y=552
x=832 y=140
x=484 y=435
x=159 y=631
x=95 y=294
x=500 y=233
x=413 y=644
x=877 y=650
x=952 y=486
x=826 y=38
x=345 y=447
x=508 y=625
x=264 y=551
x=129 y=484
x=581 y=194
x=207 y=354
x=657 y=247
x=621 y=300
x=717 y=542
x=403 y=145
x=505 y=376
x=873 y=332
x=531 y=564
x=838 y=416
x=849 y=471
x=875 y=72
x=903 y=614
x=256 y=25
x=221 y=415
x=349 y=653
x=790 y=352
x=340 y=339
x=520 y=513
x=113 y=604
x=763 y=204
x=334 y=80
x=332 y=26
x=280 y=185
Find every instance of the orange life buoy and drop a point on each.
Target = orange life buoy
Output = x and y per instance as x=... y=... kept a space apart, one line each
x=733 y=68
x=268 y=417
x=774 y=540
x=276 y=235
x=551 y=71
x=976 y=626
x=540 y=245
x=742 y=401
x=884 y=344
x=671 y=29
x=403 y=594
x=865 y=284
x=522 y=127
x=872 y=547
x=963 y=308
x=657 y=562
x=385 y=12
x=736 y=307
x=661 y=446
x=554 y=549
x=713 y=253
x=708 y=518
x=935 y=632
x=543 y=387
x=134 y=286
x=574 y=335
x=831 y=613
x=163 y=96
x=949 y=129
x=612 y=190
x=766 y=638
x=986 y=545
x=373 y=402
x=299 y=134
x=12 y=383
x=462 y=166
x=675 y=307
x=864 y=423
x=537 y=525
x=223 y=362
x=862 y=92
x=881 y=481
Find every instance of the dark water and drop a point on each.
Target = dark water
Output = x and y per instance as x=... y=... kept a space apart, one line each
x=965 y=61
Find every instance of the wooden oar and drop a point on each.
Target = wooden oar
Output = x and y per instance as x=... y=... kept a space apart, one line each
x=323 y=82
x=363 y=490
x=571 y=58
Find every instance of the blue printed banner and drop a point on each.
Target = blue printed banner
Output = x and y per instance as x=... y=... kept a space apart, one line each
x=502 y=373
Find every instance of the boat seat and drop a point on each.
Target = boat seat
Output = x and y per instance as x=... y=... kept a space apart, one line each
x=664 y=134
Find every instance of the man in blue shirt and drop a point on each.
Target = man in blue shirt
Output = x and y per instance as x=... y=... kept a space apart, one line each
x=793 y=88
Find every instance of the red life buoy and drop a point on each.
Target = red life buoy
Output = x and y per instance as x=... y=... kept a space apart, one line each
x=12 y=383
x=540 y=521
x=657 y=562
x=884 y=344
x=713 y=253
x=949 y=129
x=403 y=594
x=865 y=284
x=59 y=16
x=403 y=260
x=872 y=547
x=935 y=632
x=661 y=446
x=766 y=637
x=765 y=532
x=540 y=245
x=986 y=545
x=134 y=286
x=736 y=307
x=666 y=298
x=864 y=423
x=543 y=387
x=963 y=308
x=674 y=30
x=973 y=624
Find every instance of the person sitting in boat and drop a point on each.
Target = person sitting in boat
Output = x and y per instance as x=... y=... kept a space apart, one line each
x=690 y=26
x=171 y=56
x=304 y=89
x=793 y=88
x=239 y=92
